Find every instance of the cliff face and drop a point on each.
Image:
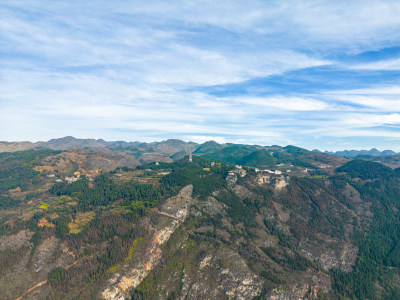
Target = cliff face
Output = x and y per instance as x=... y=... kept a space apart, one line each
x=309 y=286
x=146 y=253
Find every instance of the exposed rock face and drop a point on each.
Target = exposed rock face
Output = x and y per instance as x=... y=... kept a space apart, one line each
x=243 y=192
x=121 y=284
x=240 y=172
x=31 y=268
x=15 y=241
x=213 y=207
x=43 y=254
x=222 y=274
x=280 y=183
x=283 y=215
x=263 y=179
x=132 y=273
x=306 y=287
x=231 y=178
x=332 y=253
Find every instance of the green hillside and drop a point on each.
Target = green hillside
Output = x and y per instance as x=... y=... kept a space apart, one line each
x=233 y=154
x=366 y=169
x=197 y=230
x=259 y=158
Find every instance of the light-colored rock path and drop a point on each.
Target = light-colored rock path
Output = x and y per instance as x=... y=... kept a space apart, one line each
x=176 y=208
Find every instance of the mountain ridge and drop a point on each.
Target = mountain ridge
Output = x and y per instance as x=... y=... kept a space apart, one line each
x=68 y=142
x=355 y=153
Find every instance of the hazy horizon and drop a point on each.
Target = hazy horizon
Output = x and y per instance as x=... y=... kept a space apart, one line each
x=201 y=142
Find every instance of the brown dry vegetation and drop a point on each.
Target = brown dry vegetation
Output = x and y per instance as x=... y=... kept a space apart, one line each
x=82 y=218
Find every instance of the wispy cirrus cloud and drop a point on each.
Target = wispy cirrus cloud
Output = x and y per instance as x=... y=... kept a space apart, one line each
x=389 y=64
x=246 y=71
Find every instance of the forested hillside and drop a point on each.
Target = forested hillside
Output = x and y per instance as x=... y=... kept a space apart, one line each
x=71 y=226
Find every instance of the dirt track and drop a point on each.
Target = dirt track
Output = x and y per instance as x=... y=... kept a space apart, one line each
x=43 y=282
x=32 y=288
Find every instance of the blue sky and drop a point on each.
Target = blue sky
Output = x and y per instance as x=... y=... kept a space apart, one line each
x=316 y=74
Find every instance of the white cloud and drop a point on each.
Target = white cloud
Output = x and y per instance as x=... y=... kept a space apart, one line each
x=351 y=133
x=371 y=120
x=390 y=64
x=286 y=103
x=374 y=99
x=393 y=90
x=107 y=69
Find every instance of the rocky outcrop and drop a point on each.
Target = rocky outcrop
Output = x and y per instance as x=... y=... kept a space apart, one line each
x=330 y=253
x=263 y=179
x=306 y=287
x=280 y=182
x=221 y=274
x=43 y=254
x=243 y=192
x=122 y=283
x=15 y=241
x=175 y=210
x=31 y=267
x=231 y=178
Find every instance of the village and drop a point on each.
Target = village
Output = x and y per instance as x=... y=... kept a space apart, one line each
x=90 y=174
x=279 y=177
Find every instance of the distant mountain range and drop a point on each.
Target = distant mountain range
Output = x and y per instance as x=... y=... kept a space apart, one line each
x=355 y=153
x=69 y=142
x=173 y=149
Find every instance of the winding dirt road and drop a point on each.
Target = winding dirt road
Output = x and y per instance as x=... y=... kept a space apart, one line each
x=32 y=288
x=43 y=282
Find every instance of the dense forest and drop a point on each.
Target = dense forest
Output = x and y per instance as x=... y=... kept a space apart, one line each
x=378 y=259
x=366 y=169
x=16 y=169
